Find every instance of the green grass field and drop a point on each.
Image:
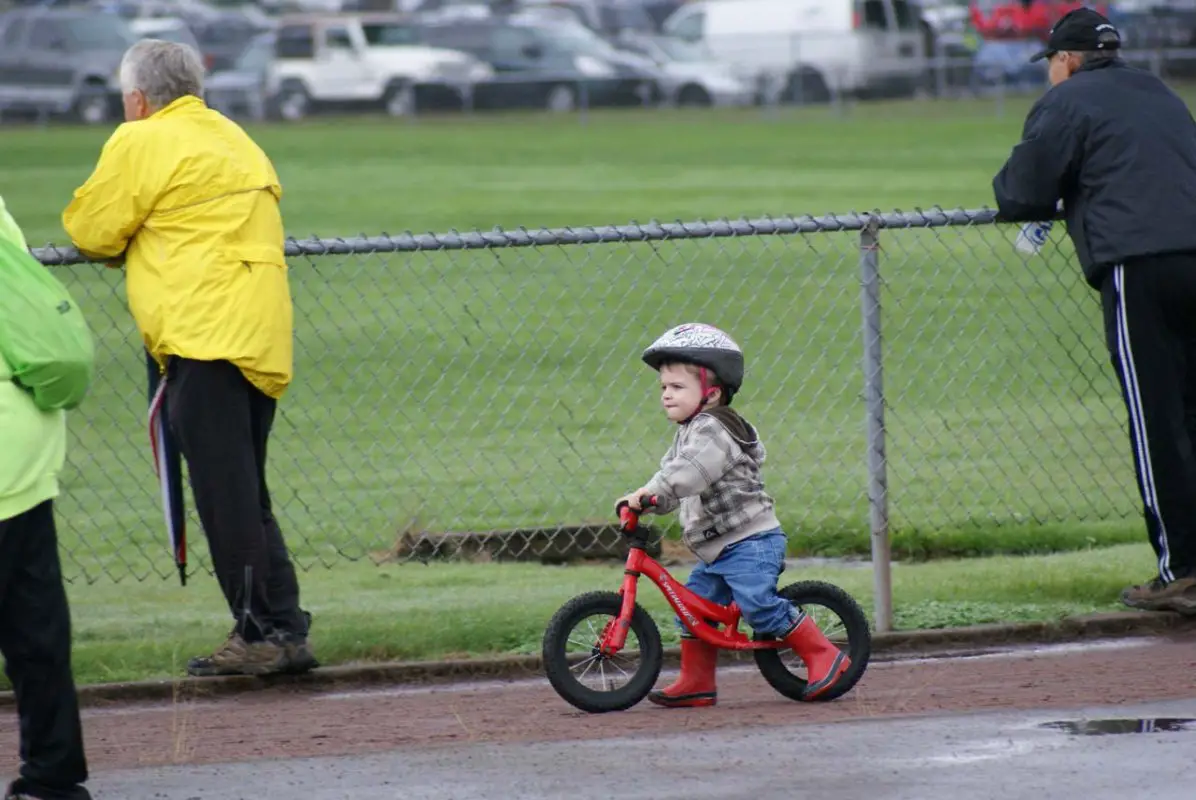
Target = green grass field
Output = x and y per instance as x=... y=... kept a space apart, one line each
x=412 y=612
x=486 y=389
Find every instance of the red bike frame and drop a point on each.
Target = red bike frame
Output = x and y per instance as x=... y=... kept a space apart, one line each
x=696 y=613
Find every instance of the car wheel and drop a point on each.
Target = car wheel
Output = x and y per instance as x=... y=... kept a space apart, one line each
x=807 y=86
x=399 y=99
x=93 y=105
x=693 y=95
x=561 y=99
x=292 y=102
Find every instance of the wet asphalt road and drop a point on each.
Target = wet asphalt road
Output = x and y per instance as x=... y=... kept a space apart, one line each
x=990 y=756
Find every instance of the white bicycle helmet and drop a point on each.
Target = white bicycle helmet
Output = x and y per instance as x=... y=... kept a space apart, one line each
x=704 y=346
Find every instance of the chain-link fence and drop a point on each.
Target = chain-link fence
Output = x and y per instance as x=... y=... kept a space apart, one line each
x=457 y=384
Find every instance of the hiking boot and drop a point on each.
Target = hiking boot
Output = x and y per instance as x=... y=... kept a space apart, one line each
x=299 y=655
x=239 y=657
x=1179 y=595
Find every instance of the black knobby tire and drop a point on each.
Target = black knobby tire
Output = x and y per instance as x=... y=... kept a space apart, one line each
x=807 y=86
x=859 y=641
x=292 y=89
x=692 y=95
x=556 y=661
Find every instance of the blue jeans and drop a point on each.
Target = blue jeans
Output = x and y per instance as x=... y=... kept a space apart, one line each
x=747 y=573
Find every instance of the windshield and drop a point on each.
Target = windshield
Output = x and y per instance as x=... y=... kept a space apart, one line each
x=681 y=50
x=576 y=39
x=179 y=34
x=256 y=57
x=390 y=35
x=100 y=31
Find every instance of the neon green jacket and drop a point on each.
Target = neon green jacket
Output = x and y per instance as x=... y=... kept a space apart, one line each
x=34 y=448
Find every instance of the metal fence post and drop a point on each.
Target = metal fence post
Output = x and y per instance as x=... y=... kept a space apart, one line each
x=874 y=402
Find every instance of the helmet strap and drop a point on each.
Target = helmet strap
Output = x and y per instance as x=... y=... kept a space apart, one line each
x=707 y=388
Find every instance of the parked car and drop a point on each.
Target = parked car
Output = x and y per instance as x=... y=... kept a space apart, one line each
x=241 y=89
x=359 y=60
x=220 y=33
x=951 y=44
x=544 y=65
x=608 y=18
x=1016 y=20
x=1150 y=28
x=1005 y=64
x=62 y=61
x=809 y=50
x=692 y=75
x=171 y=29
x=223 y=36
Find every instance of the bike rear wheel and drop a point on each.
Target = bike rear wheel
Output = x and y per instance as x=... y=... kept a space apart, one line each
x=623 y=679
x=849 y=630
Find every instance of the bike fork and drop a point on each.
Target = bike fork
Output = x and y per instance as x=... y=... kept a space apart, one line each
x=614 y=635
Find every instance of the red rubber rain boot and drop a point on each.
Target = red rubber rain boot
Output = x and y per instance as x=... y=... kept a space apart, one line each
x=695 y=687
x=824 y=662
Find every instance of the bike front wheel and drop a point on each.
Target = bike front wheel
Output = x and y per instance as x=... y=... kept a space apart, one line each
x=581 y=674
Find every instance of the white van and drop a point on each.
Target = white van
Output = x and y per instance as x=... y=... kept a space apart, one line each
x=805 y=50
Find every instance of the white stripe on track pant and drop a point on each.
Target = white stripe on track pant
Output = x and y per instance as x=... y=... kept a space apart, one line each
x=1150 y=328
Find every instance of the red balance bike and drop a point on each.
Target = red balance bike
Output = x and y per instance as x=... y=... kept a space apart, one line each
x=624 y=673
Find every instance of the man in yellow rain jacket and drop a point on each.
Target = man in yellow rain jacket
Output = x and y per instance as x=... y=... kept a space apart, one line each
x=35 y=636
x=191 y=204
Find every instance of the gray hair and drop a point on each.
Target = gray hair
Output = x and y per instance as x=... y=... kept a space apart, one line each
x=163 y=71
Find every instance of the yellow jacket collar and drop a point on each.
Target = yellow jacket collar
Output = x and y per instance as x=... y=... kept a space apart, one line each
x=185 y=102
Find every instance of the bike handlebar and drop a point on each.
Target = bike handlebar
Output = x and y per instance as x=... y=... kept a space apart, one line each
x=629 y=518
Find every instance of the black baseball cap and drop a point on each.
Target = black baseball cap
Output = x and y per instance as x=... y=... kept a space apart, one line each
x=1080 y=30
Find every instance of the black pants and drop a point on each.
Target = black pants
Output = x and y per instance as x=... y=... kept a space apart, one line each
x=222 y=424
x=35 y=637
x=1150 y=325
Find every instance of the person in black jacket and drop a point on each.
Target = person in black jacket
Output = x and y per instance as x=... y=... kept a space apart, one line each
x=1119 y=149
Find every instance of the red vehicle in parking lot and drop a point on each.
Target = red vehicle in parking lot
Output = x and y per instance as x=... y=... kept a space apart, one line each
x=1015 y=19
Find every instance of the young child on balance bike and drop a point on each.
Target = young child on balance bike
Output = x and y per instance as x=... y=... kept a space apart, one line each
x=712 y=473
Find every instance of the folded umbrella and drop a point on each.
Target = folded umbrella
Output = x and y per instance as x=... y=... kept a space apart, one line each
x=168 y=465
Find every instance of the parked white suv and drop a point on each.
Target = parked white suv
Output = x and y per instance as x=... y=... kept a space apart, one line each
x=359 y=60
x=810 y=50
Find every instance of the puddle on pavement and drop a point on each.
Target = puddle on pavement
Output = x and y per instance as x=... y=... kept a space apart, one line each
x=1109 y=727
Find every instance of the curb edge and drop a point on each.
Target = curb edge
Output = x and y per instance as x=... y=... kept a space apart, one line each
x=895 y=645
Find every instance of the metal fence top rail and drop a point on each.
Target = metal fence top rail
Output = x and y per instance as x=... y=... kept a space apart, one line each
x=652 y=231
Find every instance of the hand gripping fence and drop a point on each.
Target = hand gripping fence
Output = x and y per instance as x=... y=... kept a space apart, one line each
x=479 y=395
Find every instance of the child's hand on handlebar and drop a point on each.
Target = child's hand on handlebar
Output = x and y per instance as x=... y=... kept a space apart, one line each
x=633 y=499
